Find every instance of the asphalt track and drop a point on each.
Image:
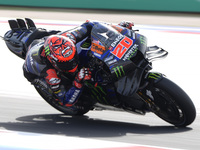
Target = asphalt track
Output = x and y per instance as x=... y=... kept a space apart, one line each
x=36 y=116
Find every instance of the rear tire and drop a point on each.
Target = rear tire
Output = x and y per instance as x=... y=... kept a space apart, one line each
x=174 y=105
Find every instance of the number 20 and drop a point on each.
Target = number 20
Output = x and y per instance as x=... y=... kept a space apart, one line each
x=122 y=47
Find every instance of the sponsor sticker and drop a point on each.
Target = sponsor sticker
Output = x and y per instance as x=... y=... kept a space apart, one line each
x=97 y=48
x=122 y=47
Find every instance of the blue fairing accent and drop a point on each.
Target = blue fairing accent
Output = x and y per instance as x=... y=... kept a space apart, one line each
x=72 y=95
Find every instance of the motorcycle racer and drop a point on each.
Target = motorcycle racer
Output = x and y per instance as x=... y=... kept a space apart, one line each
x=56 y=54
x=49 y=57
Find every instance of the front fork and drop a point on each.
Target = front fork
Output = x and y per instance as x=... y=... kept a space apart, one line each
x=145 y=91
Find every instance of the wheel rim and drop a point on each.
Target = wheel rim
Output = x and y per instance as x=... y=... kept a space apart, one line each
x=168 y=110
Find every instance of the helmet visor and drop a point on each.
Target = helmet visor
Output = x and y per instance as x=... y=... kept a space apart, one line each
x=69 y=65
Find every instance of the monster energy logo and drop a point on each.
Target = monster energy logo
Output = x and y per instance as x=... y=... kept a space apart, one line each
x=119 y=71
x=154 y=75
x=131 y=52
x=85 y=45
x=142 y=40
x=47 y=50
x=98 y=93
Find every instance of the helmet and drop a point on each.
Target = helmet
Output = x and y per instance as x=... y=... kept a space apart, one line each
x=61 y=53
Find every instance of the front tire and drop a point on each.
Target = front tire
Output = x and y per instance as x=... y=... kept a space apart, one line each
x=172 y=103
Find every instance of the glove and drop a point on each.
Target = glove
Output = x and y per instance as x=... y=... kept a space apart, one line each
x=83 y=75
x=126 y=24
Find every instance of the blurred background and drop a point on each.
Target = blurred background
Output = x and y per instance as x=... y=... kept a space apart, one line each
x=156 y=12
x=134 y=5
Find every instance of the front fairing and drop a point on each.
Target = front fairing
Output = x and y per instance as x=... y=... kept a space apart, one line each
x=116 y=49
x=123 y=53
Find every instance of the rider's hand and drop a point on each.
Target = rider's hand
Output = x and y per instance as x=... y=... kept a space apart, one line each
x=83 y=75
x=126 y=24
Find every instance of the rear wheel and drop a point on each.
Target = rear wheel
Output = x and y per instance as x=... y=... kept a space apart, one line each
x=171 y=103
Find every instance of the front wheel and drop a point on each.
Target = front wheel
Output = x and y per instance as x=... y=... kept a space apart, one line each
x=171 y=103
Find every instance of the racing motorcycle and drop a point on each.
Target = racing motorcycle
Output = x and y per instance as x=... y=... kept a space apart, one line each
x=121 y=74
